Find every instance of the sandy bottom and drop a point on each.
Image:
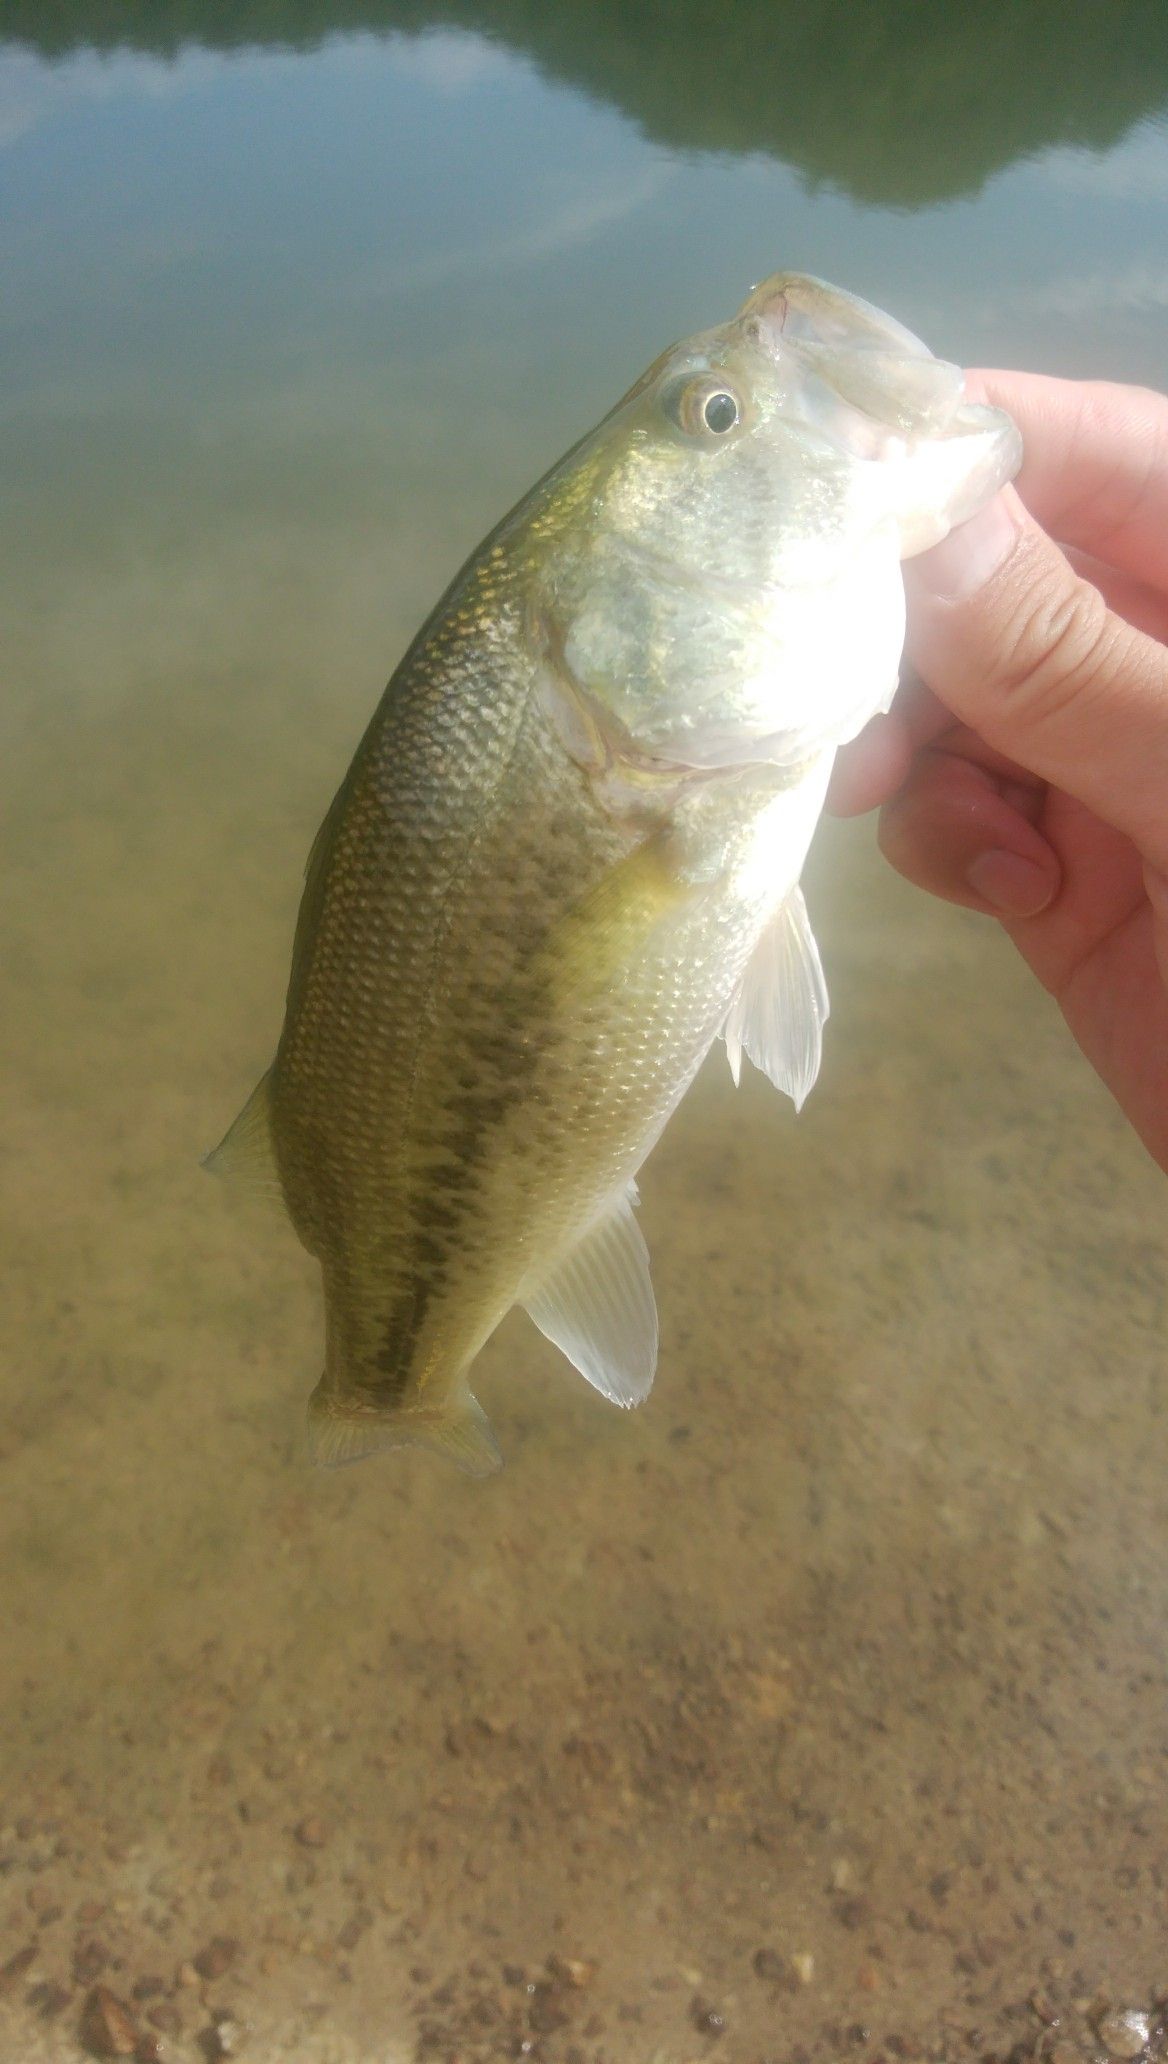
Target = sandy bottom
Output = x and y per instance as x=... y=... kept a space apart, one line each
x=817 y=1711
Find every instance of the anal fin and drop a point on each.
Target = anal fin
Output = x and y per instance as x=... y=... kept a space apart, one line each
x=247 y=1152
x=782 y=1007
x=598 y=1308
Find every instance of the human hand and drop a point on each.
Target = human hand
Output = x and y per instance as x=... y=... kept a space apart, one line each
x=1023 y=769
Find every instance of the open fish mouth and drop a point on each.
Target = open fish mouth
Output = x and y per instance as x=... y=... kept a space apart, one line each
x=850 y=371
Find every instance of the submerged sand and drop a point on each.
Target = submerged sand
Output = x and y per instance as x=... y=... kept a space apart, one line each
x=817 y=1710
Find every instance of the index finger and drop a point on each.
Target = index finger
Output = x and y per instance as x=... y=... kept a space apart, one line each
x=1095 y=464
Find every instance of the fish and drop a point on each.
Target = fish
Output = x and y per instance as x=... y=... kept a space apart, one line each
x=566 y=856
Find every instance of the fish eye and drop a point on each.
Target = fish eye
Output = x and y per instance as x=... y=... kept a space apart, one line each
x=704 y=407
x=721 y=412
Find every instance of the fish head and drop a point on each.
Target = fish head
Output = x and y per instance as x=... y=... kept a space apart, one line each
x=730 y=587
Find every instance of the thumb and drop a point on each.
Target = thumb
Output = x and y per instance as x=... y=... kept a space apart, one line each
x=1027 y=653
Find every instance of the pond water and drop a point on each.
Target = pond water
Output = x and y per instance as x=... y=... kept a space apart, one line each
x=819 y=1709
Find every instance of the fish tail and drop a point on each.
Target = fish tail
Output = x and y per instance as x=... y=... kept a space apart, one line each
x=344 y=1428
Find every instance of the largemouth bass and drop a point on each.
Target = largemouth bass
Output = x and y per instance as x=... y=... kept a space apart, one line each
x=566 y=856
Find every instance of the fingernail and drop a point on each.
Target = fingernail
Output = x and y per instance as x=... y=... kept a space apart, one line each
x=963 y=562
x=1016 y=887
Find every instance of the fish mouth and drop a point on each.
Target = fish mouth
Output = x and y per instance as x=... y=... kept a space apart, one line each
x=848 y=370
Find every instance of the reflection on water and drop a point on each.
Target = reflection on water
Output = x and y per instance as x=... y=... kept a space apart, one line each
x=827 y=1694
x=898 y=103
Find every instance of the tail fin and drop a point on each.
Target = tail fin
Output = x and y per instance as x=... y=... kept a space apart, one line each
x=343 y=1429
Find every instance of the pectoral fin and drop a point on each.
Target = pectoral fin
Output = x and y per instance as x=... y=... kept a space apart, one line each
x=782 y=1006
x=597 y=1306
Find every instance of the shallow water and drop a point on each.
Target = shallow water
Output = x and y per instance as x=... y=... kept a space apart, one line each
x=826 y=1696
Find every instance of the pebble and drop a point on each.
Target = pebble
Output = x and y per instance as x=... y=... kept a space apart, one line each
x=90 y=1958
x=13 y=1971
x=546 y=2012
x=218 y=1956
x=707 y=2019
x=107 y=2026
x=593 y=1757
x=165 y=2016
x=768 y=1965
x=853 y=1913
x=574 y=1971
x=803 y=1965
x=311 y=1832
x=224 y=2038
x=357 y=1924
x=49 y=2000
x=1125 y=2034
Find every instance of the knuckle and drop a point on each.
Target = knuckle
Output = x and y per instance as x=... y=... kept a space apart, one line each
x=1060 y=648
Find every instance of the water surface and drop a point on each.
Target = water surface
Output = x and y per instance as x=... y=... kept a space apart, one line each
x=826 y=1695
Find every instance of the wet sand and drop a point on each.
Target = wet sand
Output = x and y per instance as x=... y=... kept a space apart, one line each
x=816 y=1711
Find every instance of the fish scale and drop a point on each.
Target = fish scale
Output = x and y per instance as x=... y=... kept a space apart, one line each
x=567 y=852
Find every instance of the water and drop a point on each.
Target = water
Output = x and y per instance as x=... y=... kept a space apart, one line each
x=827 y=1694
